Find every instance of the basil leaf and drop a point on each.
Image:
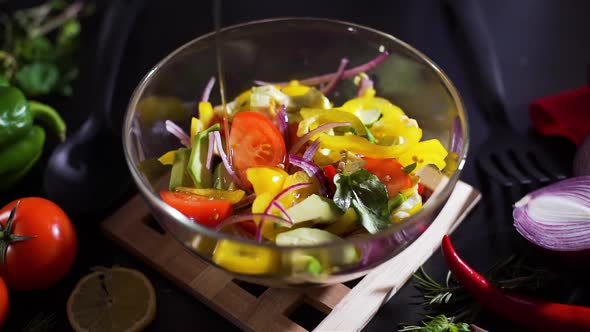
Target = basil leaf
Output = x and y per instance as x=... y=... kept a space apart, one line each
x=369 y=190
x=408 y=169
x=370 y=221
x=343 y=194
x=367 y=194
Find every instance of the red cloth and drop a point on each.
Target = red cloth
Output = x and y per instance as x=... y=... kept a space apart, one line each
x=564 y=114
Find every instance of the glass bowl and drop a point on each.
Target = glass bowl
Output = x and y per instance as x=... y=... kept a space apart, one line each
x=281 y=50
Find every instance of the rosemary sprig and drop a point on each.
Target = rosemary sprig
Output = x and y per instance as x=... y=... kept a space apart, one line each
x=41 y=323
x=451 y=299
x=440 y=323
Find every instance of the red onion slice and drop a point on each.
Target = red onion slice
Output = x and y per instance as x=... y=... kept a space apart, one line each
x=237 y=218
x=175 y=130
x=328 y=77
x=319 y=129
x=556 y=217
x=289 y=190
x=332 y=83
x=282 y=209
x=365 y=84
x=311 y=150
x=247 y=200
x=312 y=170
x=284 y=123
x=214 y=135
x=208 y=88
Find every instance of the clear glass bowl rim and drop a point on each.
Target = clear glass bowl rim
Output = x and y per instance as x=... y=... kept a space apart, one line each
x=441 y=198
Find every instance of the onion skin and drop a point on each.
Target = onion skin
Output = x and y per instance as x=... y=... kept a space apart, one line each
x=582 y=159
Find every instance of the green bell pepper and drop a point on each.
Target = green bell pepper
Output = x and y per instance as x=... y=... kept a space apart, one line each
x=21 y=141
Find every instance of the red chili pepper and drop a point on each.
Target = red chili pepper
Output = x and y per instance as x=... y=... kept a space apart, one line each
x=330 y=173
x=420 y=188
x=523 y=310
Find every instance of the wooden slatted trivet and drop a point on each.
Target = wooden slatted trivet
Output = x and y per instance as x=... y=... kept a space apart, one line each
x=251 y=310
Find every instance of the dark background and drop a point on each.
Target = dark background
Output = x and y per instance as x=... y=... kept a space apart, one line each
x=543 y=48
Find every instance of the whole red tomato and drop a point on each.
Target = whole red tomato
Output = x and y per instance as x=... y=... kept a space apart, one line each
x=4 y=303
x=47 y=254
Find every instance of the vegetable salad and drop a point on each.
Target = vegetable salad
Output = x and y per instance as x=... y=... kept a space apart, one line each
x=282 y=163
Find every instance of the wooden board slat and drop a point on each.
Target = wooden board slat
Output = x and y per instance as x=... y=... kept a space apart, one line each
x=377 y=287
x=346 y=309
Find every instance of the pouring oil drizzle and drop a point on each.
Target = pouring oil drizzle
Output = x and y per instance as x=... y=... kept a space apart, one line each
x=220 y=73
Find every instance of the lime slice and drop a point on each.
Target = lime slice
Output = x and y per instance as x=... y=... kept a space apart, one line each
x=112 y=300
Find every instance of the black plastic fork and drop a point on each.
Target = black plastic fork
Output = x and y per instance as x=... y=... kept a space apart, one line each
x=507 y=157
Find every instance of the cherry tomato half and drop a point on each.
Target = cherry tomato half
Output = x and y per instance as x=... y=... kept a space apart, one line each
x=391 y=173
x=255 y=142
x=203 y=210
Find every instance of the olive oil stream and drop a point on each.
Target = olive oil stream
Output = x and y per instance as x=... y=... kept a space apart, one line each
x=220 y=72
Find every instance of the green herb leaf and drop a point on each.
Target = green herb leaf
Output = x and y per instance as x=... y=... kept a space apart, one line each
x=37 y=78
x=314 y=266
x=34 y=49
x=367 y=194
x=39 y=46
x=41 y=323
x=408 y=169
x=343 y=193
x=68 y=32
x=396 y=201
x=440 y=323
x=370 y=136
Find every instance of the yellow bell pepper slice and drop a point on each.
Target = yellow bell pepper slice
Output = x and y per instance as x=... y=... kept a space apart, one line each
x=393 y=121
x=314 y=117
x=295 y=89
x=298 y=195
x=234 y=196
x=160 y=108
x=360 y=145
x=408 y=208
x=424 y=153
x=206 y=113
x=260 y=204
x=266 y=179
x=196 y=127
x=246 y=258
x=167 y=158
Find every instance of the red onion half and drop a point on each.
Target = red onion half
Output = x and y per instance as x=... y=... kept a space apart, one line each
x=556 y=217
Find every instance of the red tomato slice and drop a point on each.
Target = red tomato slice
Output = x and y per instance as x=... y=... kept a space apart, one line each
x=205 y=211
x=292 y=131
x=330 y=173
x=391 y=173
x=255 y=142
x=249 y=227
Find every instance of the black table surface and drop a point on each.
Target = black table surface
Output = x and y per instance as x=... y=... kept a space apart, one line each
x=543 y=49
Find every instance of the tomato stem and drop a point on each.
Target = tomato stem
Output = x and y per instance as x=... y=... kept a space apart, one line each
x=6 y=236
